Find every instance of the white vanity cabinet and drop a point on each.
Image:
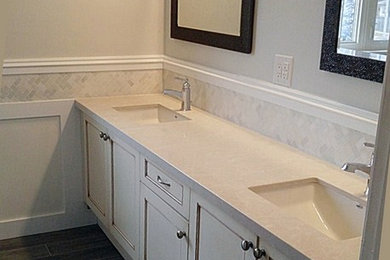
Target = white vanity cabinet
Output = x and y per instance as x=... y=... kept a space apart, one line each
x=97 y=165
x=149 y=214
x=164 y=206
x=216 y=236
x=112 y=184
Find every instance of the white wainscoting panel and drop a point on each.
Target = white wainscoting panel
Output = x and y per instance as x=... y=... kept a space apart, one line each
x=32 y=182
x=41 y=186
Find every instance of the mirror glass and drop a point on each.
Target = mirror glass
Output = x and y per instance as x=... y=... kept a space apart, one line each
x=206 y=15
x=364 y=28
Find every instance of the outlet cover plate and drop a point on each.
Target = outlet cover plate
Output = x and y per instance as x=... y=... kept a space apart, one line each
x=283 y=68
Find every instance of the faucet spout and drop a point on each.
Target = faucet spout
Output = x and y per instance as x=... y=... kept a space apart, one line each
x=365 y=168
x=353 y=167
x=172 y=92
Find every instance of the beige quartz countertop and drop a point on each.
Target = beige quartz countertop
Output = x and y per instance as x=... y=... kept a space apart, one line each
x=220 y=159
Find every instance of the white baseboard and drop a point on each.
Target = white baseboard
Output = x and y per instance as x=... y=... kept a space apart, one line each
x=69 y=210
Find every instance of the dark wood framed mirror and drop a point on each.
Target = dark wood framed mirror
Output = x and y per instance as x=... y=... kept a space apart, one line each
x=223 y=24
x=333 y=60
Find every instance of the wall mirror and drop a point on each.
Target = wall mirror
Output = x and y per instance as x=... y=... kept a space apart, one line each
x=217 y=23
x=355 y=38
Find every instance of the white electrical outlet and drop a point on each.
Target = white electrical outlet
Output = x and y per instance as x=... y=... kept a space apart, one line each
x=283 y=66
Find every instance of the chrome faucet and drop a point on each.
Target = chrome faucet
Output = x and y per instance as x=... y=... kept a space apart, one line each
x=365 y=168
x=184 y=95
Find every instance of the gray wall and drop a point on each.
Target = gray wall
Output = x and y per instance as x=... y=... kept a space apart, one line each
x=84 y=28
x=289 y=27
x=3 y=7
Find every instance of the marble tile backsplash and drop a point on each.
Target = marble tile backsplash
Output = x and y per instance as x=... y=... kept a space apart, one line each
x=323 y=139
x=86 y=84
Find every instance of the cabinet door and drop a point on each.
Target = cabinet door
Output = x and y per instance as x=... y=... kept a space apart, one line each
x=160 y=225
x=124 y=196
x=97 y=167
x=216 y=235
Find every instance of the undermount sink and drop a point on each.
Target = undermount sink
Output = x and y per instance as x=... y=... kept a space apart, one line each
x=330 y=210
x=150 y=114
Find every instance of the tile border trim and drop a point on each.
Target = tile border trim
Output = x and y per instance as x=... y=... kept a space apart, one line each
x=82 y=64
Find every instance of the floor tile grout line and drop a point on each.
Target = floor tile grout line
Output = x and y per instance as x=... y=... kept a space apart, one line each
x=48 y=250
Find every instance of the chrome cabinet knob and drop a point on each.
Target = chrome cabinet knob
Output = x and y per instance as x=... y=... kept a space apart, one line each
x=245 y=245
x=180 y=234
x=106 y=137
x=259 y=253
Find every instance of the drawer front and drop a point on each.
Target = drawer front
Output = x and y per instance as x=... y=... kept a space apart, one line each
x=171 y=191
x=165 y=183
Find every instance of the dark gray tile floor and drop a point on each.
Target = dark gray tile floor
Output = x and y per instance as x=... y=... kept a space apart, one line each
x=79 y=243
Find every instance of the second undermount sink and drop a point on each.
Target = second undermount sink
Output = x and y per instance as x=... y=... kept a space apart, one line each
x=150 y=114
x=330 y=210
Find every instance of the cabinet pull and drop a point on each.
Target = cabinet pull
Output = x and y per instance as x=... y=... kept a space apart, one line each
x=159 y=180
x=259 y=253
x=245 y=245
x=180 y=234
x=101 y=134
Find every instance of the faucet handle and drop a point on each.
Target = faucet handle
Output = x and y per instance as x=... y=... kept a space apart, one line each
x=372 y=158
x=369 y=145
x=186 y=83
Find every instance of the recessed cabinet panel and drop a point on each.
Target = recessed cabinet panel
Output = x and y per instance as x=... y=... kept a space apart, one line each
x=216 y=235
x=160 y=224
x=125 y=203
x=97 y=171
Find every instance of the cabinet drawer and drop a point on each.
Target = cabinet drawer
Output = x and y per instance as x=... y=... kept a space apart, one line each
x=171 y=191
x=168 y=185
